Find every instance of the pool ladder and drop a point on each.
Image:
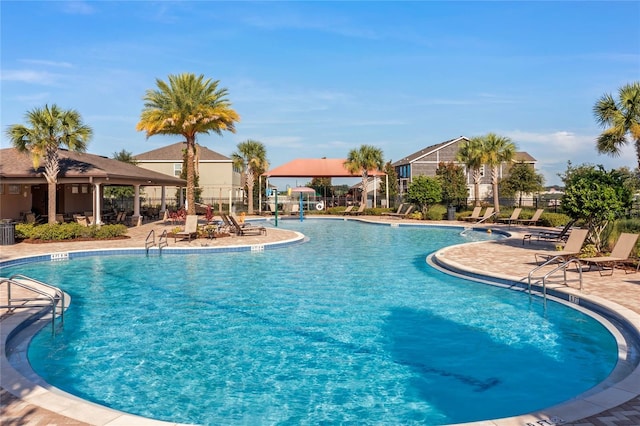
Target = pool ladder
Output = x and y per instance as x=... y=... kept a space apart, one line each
x=150 y=241
x=562 y=266
x=44 y=296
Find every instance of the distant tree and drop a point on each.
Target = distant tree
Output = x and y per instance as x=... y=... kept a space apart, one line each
x=187 y=105
x=596 y=196
x=522 y=179
x=453 y=183
x=50 y=128
x=619 y=117
x=392 y=178
x=113 y=191
x=362 y=160
x=251 y=158
x=495 y=151
x=124 y=156
x=424 y=191
x=322 y=185
x=470 y=154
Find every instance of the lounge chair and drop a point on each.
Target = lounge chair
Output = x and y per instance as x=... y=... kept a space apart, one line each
x=475 y=214
x=534 y=219
x=487 y=214
x=397 y=212
x=348 y=210
x=620 y=253
x=551 y=235
x=357 y=212
x=247 y=228
x=515 y=215
x=404 y=213
x=571 y=248
x=295 y=209
x=190 y=228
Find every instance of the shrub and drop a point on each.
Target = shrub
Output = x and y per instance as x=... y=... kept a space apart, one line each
x=436 y=212
x=108 y=231
x=68 y=231
x=554 y=219
x=24 y=230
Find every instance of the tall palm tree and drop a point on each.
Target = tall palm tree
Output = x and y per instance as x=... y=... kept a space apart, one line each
x=50 y=128
x=187 y=105
x=496 y=150
x=470 y=153
x=619 y=118
x=363 y=160
x=251 y=158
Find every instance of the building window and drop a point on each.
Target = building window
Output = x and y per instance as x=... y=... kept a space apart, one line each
x=177 y=169
x=14 y=189
x=1 y=189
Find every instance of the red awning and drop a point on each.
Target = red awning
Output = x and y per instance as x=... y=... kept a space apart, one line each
x=315 y=167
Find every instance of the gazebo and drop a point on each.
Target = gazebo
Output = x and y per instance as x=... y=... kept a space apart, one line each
x=317 y=168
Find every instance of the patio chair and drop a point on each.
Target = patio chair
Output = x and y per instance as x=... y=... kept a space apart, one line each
x=190 y=228
x=397 y=212
x=404 y=213
x=348 y=210
x=534 y=219
x=357 y=212
x=620 y=254
x=515 y=215
x=247 y=228
x=488 y=213
x=571 y=248
x=475 y=214
x=551 y=235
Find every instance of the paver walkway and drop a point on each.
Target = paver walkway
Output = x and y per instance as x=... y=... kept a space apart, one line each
x=503 y=258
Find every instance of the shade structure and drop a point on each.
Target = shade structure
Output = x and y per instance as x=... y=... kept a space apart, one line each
x=303 y=190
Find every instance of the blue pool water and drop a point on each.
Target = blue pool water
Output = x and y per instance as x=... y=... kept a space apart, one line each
x=352 y=326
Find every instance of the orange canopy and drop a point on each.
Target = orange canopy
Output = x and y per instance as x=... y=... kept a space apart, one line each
x=316 y=167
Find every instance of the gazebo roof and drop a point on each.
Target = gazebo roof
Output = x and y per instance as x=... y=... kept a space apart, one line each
x=316 y=167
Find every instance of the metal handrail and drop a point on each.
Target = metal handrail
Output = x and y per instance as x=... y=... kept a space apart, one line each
x=470 y=228
x=53 y=299
x=563 y=266
x=147 y=243
x=163 y=241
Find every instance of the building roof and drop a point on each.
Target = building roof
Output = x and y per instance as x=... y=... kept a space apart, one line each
x=525 y=157
x=426 y=151
x=315 y=167
x=16 y=165
x=173 y=153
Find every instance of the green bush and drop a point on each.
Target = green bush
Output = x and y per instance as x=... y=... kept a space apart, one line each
x=24 y=230
x=553 y=219
x=436 y=212
x=68 y=231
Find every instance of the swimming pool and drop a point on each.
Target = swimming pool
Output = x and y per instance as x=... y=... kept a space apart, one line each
x=353 y=326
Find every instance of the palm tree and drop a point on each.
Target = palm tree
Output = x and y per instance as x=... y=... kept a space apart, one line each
x=619 y=118
x=251 y=158
x=470 y=153
x=496 y=150
x=51 y=128
x=187 y=105
x=362 y=160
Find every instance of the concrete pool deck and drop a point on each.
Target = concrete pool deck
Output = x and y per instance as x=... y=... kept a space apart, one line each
x=506 y=259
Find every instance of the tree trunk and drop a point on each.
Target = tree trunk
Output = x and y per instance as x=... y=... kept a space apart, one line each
x=494 y=181
x=51 y=202
x=476 y=187
x=363 y=200
x=250 y=185
x=191 y=199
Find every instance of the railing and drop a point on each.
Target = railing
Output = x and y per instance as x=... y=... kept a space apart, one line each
x=561 y=267
x=162 y=241
x=484 y=219
x=52 y=296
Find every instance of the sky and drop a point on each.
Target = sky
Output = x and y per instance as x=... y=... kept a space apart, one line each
x=314 y=79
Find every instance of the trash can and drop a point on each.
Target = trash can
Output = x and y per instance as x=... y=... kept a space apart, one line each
x=7 y=232
x=451 y=213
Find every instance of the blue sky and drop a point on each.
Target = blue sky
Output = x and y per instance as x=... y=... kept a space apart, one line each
x=316 y=79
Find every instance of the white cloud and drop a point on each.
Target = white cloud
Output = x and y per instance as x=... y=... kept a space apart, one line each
x=76 y=7
x=47 y=63
x=28 y=76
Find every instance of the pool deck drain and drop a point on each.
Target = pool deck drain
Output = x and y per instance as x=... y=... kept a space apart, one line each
x=506 y=259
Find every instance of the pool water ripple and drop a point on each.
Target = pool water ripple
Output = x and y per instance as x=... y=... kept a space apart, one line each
x=353 y=326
